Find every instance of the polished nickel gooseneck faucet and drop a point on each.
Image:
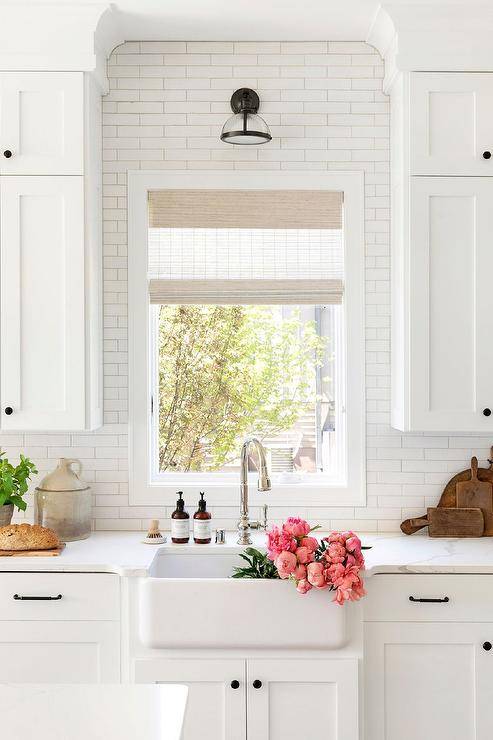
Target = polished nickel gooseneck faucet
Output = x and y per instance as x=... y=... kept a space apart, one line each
x=244 y=525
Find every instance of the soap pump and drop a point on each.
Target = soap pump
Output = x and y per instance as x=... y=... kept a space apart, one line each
x=202 y=523
x=180 y=522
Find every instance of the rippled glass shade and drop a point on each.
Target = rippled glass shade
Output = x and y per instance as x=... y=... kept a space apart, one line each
x=245 y=129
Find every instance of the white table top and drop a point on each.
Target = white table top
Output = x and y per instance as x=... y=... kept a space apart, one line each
x=95 y=712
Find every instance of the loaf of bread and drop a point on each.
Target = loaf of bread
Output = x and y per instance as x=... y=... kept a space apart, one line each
x=27 y=537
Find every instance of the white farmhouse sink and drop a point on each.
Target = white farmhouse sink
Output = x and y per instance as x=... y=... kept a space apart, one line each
x=190 y=601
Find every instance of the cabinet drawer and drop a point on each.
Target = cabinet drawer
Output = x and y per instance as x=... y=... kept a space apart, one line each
x=84 y=596
x=469 y=598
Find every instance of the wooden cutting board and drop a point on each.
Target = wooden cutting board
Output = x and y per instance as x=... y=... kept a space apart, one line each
x=448 y=499
x=478 y=494
x=448 y=522
x=32 y=553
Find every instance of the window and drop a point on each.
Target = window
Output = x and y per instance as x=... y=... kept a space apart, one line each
x=245 y=293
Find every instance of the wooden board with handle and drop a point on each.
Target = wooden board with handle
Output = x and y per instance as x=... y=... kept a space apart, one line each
x=32 y=553
x=452 y=522
x=448 y=499
x=475 y=493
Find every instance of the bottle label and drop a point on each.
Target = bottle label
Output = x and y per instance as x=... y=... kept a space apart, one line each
x=180 y=528
x=202 y=529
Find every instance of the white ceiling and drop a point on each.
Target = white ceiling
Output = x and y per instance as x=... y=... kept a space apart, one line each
x=250 y=20
x=253 y=20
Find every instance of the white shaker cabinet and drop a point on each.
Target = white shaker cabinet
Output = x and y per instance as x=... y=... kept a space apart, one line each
x=41 y=123
x=445 y=287
x=262 y=698
x=428 y=680
x=450 y=126
x=42 y=303
x=312 y=699
x=216 y=704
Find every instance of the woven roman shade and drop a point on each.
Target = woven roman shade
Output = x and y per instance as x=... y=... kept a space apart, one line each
x=245 y=246
x=245 y=209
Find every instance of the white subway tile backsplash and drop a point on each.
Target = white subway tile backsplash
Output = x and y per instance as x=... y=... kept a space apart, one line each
x=324 y=103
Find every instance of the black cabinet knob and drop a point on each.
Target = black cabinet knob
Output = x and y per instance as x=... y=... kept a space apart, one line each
x=9 y=410
x=486 y=155
x=487 y=645
x=235 y=684
x=257 y=684
x=486 y=412
x=7 y=154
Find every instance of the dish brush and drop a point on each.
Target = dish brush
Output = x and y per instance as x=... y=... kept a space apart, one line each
x=154 y=536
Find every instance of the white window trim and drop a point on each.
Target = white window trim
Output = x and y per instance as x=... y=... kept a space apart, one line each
x=146 y=493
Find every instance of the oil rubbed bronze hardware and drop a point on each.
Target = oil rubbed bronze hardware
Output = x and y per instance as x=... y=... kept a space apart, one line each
x=486 y=412
x=7 y=154
x=235 y=684
x=486 y=155
x=9 y=410
x=37 y=598
x=445 y=600
x=487 y=645
x=257 y=684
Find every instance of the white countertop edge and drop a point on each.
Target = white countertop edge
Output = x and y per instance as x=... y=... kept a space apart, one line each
x=124 y=554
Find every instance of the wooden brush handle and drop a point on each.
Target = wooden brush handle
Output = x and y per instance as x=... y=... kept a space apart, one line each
x=474 y=468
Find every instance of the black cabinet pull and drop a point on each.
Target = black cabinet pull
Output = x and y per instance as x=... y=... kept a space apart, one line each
x=235 y=684
x=7 y=154
x=257 y=684
x=486 y=412
x=37 y=598
x=9 y=410
x=486 y=155
x=487 y=645
x=445 y=600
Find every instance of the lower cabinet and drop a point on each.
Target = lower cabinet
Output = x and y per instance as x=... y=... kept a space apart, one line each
x=263 y=699
x=60 y=652
x=428 y=680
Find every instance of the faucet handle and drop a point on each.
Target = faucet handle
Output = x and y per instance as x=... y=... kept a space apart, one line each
x=262 y=523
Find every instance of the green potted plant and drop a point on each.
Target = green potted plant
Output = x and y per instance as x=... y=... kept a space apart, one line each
x=14 y=483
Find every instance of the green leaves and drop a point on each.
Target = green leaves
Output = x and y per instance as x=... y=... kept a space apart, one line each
x=229 y=371
x=258 y=565
x=14 y=481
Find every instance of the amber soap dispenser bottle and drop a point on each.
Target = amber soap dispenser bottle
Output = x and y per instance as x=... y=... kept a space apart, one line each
x=180 y=522
x=202 y=523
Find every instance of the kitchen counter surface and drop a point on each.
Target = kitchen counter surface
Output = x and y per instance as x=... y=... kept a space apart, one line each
x=125 y=554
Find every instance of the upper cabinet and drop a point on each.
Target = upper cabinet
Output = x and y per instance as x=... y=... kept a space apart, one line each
x=50 y=252
x=42 y=123
x=450 y=127
x=442 y=261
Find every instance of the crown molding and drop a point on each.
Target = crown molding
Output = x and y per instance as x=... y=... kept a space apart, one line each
x=438 y=37
x=58 y=37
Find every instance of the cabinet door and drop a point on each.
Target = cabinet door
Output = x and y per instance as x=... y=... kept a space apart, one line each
x=450 y=123
x=450 y=305
x=309 y=699
x=41 y=123
x=42 y=303
x=60 y=652
x=428 y=681
x=215 y=709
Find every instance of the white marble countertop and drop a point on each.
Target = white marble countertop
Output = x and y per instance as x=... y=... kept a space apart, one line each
x=125 y=554
x=99 y=712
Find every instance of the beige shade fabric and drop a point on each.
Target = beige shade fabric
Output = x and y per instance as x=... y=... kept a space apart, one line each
x=237 y=292
x=245 y=209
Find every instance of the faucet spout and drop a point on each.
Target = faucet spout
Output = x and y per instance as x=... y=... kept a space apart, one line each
x=264 y=484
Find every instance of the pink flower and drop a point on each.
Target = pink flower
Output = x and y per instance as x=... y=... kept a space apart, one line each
x=296 y=527
x=303 y=586
x=310 y=542
x=315 y=575
x=336 y=552
x=336 y=537
x=348 y=584
x=285 y=564
x=300 y=572
x=304 y=555
x=279 y=541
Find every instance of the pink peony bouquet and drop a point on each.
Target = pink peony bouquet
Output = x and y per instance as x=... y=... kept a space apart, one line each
x=334 y=563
